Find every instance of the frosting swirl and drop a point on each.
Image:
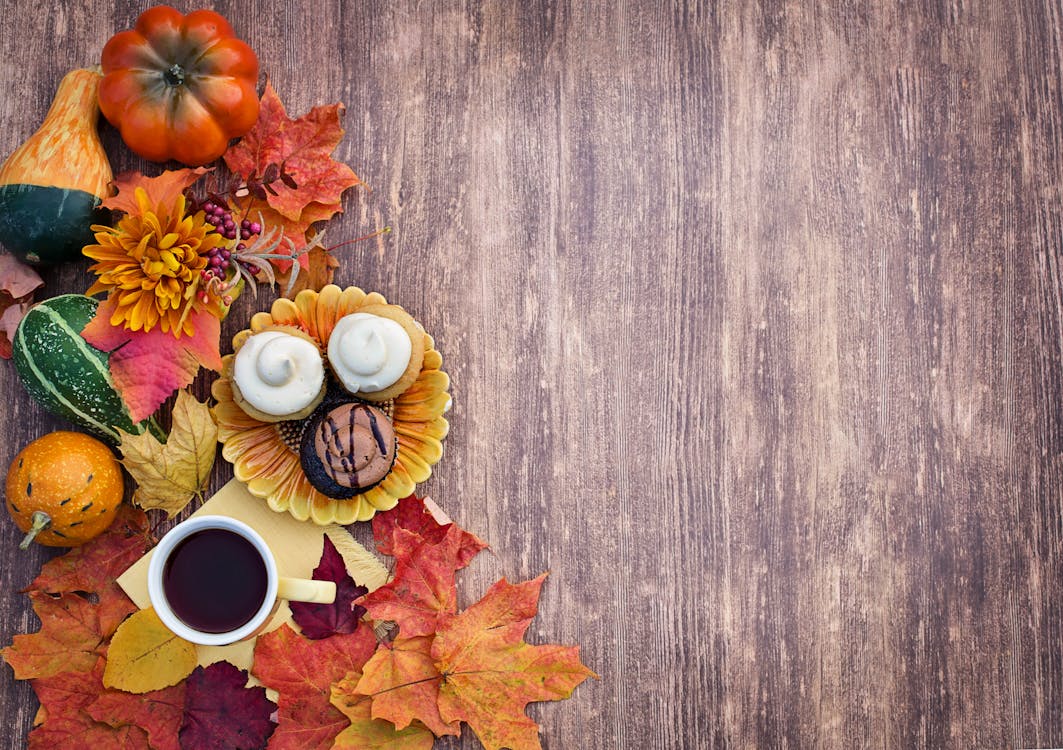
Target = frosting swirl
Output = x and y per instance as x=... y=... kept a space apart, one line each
x=278 y=373
x=353 y=446
x=368 y=352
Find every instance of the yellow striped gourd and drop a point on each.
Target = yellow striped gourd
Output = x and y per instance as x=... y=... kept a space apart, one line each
x=51 y=187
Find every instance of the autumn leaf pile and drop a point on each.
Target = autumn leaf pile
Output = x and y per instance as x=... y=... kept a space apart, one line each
x=338 y=684
x=304 y=146
x=80 y=608
x=344 y=689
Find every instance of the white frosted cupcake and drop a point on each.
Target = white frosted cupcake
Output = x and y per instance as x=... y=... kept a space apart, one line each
x=278 y=374
x=377 y=352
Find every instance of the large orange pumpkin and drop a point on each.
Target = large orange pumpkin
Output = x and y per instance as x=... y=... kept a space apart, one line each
x=63 y=489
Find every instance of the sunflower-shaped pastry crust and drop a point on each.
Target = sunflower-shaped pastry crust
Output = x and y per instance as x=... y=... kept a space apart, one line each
x=266 y=455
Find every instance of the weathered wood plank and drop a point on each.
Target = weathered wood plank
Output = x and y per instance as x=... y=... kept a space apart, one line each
x=754 y=320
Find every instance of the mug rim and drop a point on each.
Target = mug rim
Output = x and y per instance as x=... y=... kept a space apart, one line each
x=157 y=595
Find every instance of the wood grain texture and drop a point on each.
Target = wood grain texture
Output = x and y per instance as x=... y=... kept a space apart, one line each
x=754 y=317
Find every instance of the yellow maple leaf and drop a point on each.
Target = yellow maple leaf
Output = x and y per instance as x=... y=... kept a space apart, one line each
x=144 y=655
x=169 y=474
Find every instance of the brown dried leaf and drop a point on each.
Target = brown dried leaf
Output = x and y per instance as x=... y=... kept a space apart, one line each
x=17 y=284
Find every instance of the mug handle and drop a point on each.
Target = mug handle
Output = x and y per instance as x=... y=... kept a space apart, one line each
x=303 y=590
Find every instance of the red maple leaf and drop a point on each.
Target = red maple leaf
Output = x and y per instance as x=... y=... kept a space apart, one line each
x=65 y=698
x=68 y=692
x=94 y=567
x=302 y=672
x=343 y=615
x=147 y=367
x=158 y=713
x=422 y=596
x=221 y=713
x=412 y=515
x=303 y=147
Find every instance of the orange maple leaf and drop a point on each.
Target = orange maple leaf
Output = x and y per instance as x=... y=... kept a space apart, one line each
x=74 y=630
x=484 y=672
x=161 y=190
x=365 y=731
x=302 y=672
x=304 y=148
x=403 y=681
x=73 y=633
x=491 y=674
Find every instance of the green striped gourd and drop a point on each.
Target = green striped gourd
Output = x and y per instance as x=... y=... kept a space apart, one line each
x=66 y=375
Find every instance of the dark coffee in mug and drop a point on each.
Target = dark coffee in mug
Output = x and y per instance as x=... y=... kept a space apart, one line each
x=215 y=580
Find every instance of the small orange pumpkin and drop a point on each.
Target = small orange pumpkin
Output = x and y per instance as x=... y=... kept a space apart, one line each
x=63 y=489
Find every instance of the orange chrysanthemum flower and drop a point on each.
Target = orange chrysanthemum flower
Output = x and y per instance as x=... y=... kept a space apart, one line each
x=151 y=263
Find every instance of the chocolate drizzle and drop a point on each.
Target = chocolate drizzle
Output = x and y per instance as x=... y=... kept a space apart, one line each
x=348 y=448
x=376 y=434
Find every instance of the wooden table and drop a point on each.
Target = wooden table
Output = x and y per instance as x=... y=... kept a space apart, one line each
x=753 y=312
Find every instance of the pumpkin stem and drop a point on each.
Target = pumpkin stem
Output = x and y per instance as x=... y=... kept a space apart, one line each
x=39 y=521
x=174 y=75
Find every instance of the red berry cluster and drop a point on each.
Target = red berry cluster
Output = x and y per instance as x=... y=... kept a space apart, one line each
x=220 y=259
x=221 y=218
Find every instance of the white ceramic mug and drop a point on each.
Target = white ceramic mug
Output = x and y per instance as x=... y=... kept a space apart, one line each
x=277 y=587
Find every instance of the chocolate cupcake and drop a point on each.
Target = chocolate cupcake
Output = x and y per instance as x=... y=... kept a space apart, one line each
x=347 y=449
